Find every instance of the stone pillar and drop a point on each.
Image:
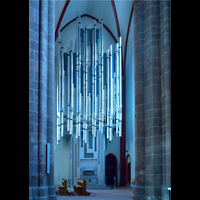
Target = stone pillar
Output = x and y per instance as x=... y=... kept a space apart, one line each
x=152 y=90
x=165 y=14
x=33 y=97
x=139 y=189
x=50 y=96
x=152 y=99
x=123 y=138
x=41 y=98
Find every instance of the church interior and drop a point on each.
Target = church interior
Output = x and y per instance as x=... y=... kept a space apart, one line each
x=100 y=97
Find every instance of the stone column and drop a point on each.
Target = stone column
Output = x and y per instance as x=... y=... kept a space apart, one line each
x=50 y=96
x=33 y=97
x=165 y=14
x=152 y=99
x=41 y=98
x=152 y=90
x=123 y=138
x=139 y=189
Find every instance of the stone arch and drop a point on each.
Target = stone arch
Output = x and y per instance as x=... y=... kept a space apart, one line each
x=128 y=169
x=115 y=165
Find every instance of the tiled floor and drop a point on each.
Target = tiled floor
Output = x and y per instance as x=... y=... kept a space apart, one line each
x=124 y=193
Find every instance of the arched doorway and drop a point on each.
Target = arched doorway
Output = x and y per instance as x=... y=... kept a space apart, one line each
x=128 y=169
x=110 y=169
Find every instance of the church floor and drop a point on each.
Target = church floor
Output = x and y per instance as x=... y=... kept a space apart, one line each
x=124 y=193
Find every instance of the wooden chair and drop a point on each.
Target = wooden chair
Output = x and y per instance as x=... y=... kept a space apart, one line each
x=63 y=188
x=80 y=188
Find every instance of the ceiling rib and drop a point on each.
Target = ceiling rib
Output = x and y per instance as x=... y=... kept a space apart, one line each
x=61 y=17
x=92 y=17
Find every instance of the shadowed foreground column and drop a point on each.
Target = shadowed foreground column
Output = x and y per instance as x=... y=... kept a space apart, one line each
x=139 y=189
x=152 y=68
x=41 y=99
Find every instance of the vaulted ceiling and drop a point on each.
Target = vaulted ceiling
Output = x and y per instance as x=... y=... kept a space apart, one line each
x=117 y=14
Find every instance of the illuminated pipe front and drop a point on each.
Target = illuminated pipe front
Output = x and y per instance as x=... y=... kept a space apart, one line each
x=91 y=106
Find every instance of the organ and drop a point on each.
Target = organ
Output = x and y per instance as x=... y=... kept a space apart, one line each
x=92 y=82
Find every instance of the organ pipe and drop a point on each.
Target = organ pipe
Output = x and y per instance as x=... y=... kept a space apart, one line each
x=108 y=95
x=95 y=75
x=58 y=89
x=77 y=76
x=99 y=81
x=59 y=86
x=84 y=92
x=102 y=98
x=117 y=96
x=68 y=91
x=93 y=95
x=120 y=89
x=92 y=106
x=111 y=92
x=72 y=89
x=86 y=87
x=62 y=91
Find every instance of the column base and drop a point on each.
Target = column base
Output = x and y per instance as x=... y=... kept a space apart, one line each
x=42 y=193
x=149 y=193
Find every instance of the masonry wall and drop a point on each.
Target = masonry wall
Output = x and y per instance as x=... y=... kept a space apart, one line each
x=152 y=63
x=41 y=98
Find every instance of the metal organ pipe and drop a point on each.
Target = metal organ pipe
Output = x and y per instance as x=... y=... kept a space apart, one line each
x=60 y=85
x=84 y=99
x=86 y=87
x=120 y=88
x=111 y=92
x=102 y=98
x=68 y=91
x=93 y=96
x=108 y=95
x=72 y=89
x=117 y=95
x=89 y=102
x=58 y=90
x=96 y=104
x=77 y=79
x=62 y=91
x=95 y=85
x=99 y=80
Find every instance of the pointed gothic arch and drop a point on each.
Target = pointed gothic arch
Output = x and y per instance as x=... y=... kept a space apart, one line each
x=128 y=169
x=112 y=156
